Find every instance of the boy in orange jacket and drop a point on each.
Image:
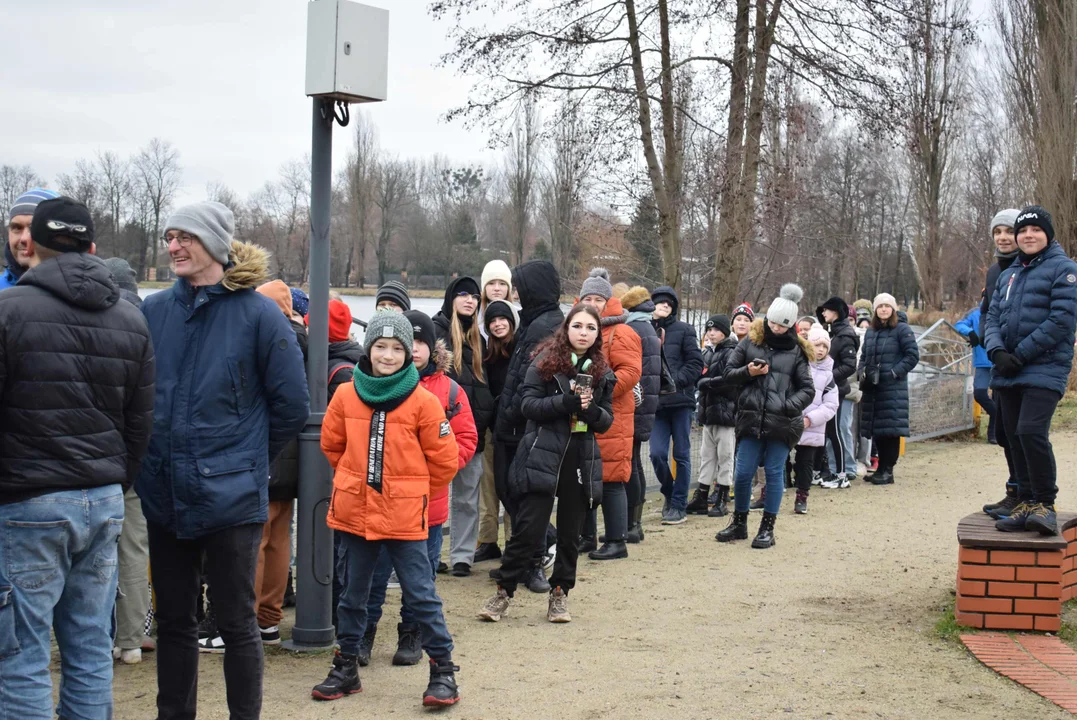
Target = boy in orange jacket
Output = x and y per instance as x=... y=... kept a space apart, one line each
x=391 y=450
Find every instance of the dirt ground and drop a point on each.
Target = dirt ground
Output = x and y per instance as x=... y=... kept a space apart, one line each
x=836 y=621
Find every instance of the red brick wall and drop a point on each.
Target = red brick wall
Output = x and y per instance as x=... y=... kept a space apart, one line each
x=1015 y=590
x=1069 y=564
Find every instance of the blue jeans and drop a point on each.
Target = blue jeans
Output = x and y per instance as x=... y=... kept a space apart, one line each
x=412 y=563
x=384 y=569
x=845 y=429
x=772 y=454
x=58 y=569
x=676 y=423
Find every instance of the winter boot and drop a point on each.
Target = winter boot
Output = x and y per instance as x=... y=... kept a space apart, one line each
x=441 y=690
x=721 y=503
x=343 y=679
x=612 y=550
x=882 y=476
x=800 y=507
x=409 y=645
x=761 y=501
x=487 y=551
x=712 y=499
x=736 y=530
x=765 y=537
x=1042 y=519
x=587 y=544
x=635 y=525
x=698 y=505
x=1015 y=522
x=366 y=644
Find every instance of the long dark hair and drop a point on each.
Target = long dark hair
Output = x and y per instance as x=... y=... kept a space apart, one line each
x=500 y=348
x=555 y=354
x=877 y=323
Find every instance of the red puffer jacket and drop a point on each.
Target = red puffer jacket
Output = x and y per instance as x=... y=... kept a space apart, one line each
x=460 y=419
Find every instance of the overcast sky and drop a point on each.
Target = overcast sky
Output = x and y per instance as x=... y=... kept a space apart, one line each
x=223 y=80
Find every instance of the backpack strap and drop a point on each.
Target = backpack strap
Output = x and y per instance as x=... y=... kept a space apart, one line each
x=454 y=407
x=338 y=367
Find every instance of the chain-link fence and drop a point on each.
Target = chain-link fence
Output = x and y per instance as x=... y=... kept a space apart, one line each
x=940 y=387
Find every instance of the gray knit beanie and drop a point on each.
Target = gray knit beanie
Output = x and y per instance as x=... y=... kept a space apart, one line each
x=1007 y=218
x=122 y=274
x=211 y=222
x=597 y=283
x=389 y=324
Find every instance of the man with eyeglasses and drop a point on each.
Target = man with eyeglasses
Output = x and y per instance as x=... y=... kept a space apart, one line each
x=231 y=393
x=76 y=411
x=19 y=251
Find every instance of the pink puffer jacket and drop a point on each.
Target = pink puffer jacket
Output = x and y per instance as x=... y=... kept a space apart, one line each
x=823 y=406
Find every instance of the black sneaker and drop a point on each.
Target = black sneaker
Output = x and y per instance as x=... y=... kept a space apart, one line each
x=487 y=551
x=461 y=569
x=1042 y=519
x=883 y=477
x=442 y=690
x=213 y=645
x=442 y=568
x=366 y=644
x=536 y=581
x=270 y=635
x=409 y=644
x=667 y=503
x=1016 y=520
x=343 y=679
x=208 y=626
x=1002 y=508
x=587 y=544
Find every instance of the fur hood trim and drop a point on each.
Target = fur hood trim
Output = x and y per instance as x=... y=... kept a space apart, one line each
x=442 y=357
x=634 y=297
x=248 y=267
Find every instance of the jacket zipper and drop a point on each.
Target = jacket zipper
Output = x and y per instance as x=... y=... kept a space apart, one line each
x=424 y=512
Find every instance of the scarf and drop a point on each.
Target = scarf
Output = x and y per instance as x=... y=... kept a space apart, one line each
x=785 y=341
x=383 y=394
x=1006 y=256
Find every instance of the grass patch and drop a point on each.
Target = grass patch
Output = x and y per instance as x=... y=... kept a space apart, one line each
x=1066 y=413
x=946 y=627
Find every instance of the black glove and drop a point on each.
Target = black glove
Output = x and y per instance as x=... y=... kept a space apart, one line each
x=573 y=403
x=974 y=339
x=1006 y=364
x=704 y=384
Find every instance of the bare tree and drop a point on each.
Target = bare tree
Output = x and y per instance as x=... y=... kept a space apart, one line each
x=157 y=174
x=114 y=176
x=14 y=181
x=83 y=185
x=563 y=187
x=393 y=190
x=520 y=173
x=360 y=180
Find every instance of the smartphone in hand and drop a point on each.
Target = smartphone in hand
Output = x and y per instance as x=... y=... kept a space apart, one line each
x=583 y=382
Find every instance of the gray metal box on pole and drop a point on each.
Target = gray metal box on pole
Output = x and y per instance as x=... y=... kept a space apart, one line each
x=347 y=62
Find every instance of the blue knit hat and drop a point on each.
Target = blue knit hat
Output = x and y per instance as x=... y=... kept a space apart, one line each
x=300 y=301
x=27 y=202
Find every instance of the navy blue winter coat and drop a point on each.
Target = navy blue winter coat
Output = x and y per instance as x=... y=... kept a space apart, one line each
x=681 y=347
x=1033 y=314
x=639 y=319
x=884 y=409
x=231 y=393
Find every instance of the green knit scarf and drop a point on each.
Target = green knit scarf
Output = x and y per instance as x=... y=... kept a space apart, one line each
x=378 y=390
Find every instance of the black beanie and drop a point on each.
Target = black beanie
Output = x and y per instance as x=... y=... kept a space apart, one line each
x=1032 y=215
x=496 y=309
x=423 y=327
x=394 y=292
x=62 y=217
x=721 y=322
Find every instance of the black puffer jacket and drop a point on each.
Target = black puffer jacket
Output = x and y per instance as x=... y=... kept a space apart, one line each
x=718 y=398
x=345 y=351
x=284 y=470
x=884 y=409
x=539 y=287
x=77 y=365
x=639 y=319
x=844 y=345
x=548 y=407
x=478 y=392
x=681 y=346
x=771 y=406
x=993 y=272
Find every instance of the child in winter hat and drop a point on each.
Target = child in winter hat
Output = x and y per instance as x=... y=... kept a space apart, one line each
x=495 y=270
x=395 y=293
x=783 y=311
x=1035 y=216
x=743 y=309
x=389 y=324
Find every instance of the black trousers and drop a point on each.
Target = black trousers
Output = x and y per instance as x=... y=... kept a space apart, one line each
x=889 y=450
x=530 y=522
x=833 y=436
x=803 y=465
x=1026 y=415
x=637 y=481
x=231 y=558
x=1003 y=441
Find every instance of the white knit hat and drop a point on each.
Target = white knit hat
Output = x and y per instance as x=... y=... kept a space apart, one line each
x=884 y=299
x=495 y=270
x=783 y=311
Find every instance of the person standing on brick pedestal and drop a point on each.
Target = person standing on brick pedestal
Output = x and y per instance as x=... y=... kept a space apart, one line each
x=1030 y=332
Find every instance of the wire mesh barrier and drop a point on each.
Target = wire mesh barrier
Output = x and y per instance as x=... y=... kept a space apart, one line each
x=941 y=385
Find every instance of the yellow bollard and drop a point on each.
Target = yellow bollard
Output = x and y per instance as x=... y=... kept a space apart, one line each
x=901 y=451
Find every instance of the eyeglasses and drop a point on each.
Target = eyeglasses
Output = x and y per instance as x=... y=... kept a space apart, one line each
x=473 y=296
x=183 y=239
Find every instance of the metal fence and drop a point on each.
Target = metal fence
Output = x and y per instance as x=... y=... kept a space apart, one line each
x=940 y=387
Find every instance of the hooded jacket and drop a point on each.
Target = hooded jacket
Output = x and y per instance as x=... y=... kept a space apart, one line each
x=640 y=309
x=547 y=407
x=844 y=345
x=231 y=393
x=624 y=354
x=824 y=405
x=77 y=379
x=884 y=408
x=965 y=326
x=437 y=382
x=539 y=288
x=718 y=398
x=342 y=354
x=681 y=348
x=771 y=406
x=10 y=277
x=1033 y=315
x=478 y=392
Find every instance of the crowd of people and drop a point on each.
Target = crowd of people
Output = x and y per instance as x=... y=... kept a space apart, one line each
x=159 y=436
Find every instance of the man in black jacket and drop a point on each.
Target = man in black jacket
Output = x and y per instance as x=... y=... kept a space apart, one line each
x=680 y=348
x=844 y=344
x=76 y=411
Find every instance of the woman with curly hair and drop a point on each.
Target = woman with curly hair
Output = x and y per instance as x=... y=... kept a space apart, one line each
x=566 y=398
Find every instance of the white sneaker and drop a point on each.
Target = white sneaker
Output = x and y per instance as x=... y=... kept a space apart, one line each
x=214 y=645
x=394 y=583
x=834 y=483
x=270 y=635
x=861 y=469
x=846 y=480
x=131 y=657
x=549 y=557
x=816 y=478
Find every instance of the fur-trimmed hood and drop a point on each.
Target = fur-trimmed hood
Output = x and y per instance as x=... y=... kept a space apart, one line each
x=441 y=357
x=248 y=267
x=757 y=336
x=635 y=297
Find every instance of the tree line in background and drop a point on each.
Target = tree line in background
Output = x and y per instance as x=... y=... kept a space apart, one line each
x=722 y=148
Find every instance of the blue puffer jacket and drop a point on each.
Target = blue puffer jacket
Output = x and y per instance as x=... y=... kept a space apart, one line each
x=7 y=279
x=968 y=324
x=1033 y=314
x=231 y=393
x=680 y=344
